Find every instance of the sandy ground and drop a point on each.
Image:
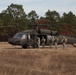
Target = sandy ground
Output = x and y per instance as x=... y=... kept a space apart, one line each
x=6 y=45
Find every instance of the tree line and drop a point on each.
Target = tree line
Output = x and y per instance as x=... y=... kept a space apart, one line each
x=15 y=19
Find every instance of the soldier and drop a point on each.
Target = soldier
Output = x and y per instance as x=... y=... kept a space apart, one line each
x=56 y=42
x=38 y=42
x=43 y=42
x=51 y=41
x=64 y=41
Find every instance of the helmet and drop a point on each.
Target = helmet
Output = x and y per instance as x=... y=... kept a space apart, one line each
x=63 y=36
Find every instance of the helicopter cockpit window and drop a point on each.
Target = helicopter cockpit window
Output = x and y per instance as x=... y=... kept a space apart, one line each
x=18 y=36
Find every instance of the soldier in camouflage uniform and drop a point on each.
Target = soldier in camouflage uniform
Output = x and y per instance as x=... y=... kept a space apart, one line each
x=38 y=42
x=43 y=42
x=51 y=41
x=56 y=42
x=64 y=41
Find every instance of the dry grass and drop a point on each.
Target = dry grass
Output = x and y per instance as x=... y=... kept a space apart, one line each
x=37 y=62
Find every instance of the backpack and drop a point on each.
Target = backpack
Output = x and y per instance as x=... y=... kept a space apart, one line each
x=65 y=40
x=56 y=40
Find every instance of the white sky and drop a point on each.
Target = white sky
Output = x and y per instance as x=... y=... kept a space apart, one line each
x=42 y=6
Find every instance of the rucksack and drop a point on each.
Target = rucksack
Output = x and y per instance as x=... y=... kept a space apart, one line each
x=56 y=39
x=65 y=40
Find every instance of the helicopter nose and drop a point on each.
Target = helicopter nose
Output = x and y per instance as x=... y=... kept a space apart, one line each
x=12 y=41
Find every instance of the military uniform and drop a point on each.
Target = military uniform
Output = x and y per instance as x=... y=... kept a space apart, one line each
x=51 y=41
x=43 y=42
x=64 y=41
x=38 y=42
x=56 y=42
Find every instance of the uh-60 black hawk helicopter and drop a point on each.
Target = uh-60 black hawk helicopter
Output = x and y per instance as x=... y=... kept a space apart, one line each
x=28 y=37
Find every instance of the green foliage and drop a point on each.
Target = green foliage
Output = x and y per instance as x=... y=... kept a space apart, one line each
x=1 y=22
x=14 y=19
x=70 y=20
x=33 y=17
x=52 y=16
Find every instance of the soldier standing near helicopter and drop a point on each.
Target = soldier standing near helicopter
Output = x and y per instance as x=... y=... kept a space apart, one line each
x=38 y=42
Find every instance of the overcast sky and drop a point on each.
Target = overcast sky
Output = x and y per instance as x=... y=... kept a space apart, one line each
x=42 y=6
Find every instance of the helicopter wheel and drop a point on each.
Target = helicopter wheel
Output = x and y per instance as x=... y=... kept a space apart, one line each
x=24 y=46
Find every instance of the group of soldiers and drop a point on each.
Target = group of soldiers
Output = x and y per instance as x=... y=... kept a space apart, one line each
x=52 y=41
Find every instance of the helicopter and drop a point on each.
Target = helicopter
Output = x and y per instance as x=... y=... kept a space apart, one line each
x=27 y=38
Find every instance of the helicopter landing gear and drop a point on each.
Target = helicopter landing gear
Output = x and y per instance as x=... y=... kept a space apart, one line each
x=25 y=46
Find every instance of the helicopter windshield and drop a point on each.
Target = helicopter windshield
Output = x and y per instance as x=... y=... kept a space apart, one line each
x=18 y=35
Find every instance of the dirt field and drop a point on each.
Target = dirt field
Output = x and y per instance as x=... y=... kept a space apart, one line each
x=18 y=61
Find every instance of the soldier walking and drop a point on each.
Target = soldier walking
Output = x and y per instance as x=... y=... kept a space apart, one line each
x=56 y=42
x=43 y=42
x=64 y=41
x=51 y=41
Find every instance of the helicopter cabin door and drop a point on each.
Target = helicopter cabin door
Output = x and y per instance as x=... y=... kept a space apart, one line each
x=45 y=37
